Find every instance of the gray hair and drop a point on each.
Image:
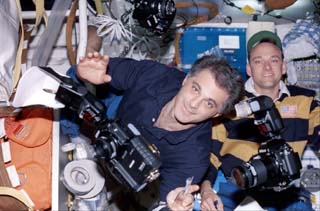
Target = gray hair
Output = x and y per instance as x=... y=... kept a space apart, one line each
x=225 y=76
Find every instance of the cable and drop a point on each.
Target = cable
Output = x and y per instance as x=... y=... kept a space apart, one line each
x=108 y=6
x=197 y=8
x=92 y=10
x=183 y=23
x=231 y=4
x=316 y=4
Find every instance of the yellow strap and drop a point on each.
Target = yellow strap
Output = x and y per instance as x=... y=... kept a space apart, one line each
x=15 y=194
x=40 y=12
x=98 y=6
x=17 y=68
x=176 y=47
x=70 y=23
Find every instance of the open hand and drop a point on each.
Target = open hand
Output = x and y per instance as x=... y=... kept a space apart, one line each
x=93 y=68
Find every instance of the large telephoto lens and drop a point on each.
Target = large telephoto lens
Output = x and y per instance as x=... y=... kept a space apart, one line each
x=239 y=178
x=250 y=174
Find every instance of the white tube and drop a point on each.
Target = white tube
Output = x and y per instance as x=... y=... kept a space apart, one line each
x=32 y=14
x=83 y=29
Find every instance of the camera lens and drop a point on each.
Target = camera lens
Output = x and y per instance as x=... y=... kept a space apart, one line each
x=169 y=8
x=105 y=149
x=155 y=15
x=250 y=174
x=238 y=177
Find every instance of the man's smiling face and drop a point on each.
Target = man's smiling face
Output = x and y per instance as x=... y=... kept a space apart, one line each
x=199 y=98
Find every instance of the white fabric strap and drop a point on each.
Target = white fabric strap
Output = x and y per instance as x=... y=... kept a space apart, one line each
x=2 y=130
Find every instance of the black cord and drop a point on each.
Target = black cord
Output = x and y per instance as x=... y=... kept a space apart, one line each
x=307 y=58
x=178 y=26
x=279 y=16
x=316 y=4
x=92 y=10
x=109 y=10
x=231 y=4
x=125 y=17
x=197 y=8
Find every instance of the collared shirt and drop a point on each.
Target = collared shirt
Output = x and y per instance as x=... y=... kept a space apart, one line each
x=148 y=87
x=249 y=87
x=237 y=139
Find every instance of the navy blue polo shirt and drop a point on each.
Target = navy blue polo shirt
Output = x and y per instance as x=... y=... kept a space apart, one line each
x=148 y=87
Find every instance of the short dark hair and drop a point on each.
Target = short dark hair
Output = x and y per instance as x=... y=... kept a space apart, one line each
x=225 y=76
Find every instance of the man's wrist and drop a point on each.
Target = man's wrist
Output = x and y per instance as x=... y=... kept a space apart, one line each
x=207 y=191
x=206 y=187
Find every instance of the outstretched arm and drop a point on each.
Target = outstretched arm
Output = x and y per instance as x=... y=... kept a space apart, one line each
x=93 y=68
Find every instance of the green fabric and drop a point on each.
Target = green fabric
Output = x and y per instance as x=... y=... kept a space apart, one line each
x=258 y=37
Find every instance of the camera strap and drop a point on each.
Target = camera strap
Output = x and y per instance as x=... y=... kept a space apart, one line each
x=10 y=198
x=27 y=150
x=70 y=24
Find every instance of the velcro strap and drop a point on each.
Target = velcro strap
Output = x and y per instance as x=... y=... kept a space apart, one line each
x=12 y=127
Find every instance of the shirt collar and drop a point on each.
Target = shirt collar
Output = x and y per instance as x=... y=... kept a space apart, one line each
x=176 y=137
x=249 y=87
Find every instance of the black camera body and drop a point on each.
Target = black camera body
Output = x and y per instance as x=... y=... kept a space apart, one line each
x=155 y=15
x=130 y=157
x=276 y=165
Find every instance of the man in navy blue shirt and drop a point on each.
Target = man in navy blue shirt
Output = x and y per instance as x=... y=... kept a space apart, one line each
x=172 y=109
